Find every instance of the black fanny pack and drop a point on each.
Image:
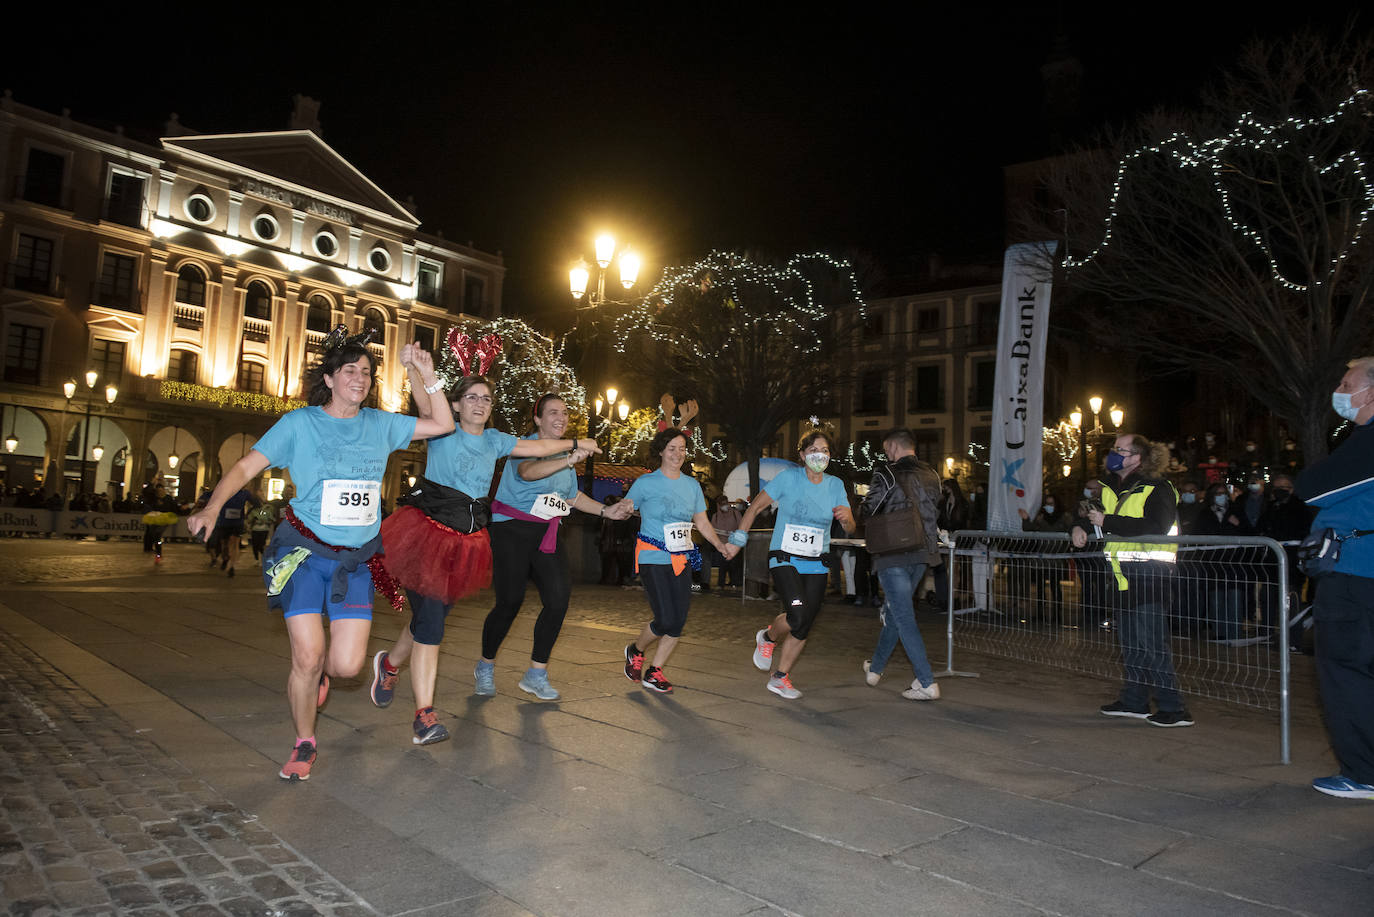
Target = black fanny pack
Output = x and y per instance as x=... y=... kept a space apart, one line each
x=1319 y=551
x=448 y=506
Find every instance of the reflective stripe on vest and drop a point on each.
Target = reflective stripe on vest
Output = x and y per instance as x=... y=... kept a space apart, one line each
x=1132 y=505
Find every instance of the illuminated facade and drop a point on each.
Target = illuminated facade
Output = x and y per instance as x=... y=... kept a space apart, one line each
x=196 y=274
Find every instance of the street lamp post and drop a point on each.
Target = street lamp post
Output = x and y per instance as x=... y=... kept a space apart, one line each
x=580 y=273
x=1117 y=415
x=606 y=408
x=69 y=390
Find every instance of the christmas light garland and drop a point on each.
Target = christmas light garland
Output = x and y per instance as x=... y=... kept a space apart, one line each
x=227 y=398
x=1217 y=156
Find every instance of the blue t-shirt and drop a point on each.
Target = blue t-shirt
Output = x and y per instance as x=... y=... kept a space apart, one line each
x=235 y=509
x=806 y=506
x=465 y=461
x=515 y=491
x=661 y=501
x=337 y=466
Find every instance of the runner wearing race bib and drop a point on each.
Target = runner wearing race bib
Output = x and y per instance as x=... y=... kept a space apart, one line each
x=325 y=553
x=439 y=557
x=531 y=501
x=669 y=504
x=808 y=501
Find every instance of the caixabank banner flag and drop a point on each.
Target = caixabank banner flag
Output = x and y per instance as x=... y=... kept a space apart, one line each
x=1014 y=457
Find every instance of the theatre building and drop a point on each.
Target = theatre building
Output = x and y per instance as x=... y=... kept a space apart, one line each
x=162 y=300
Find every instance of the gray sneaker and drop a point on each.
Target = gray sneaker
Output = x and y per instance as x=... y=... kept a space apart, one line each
x=917 y=691
x=485 y=675
x=536 y=682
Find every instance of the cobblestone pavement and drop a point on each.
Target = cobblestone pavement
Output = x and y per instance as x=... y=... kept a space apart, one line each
x=96 y=820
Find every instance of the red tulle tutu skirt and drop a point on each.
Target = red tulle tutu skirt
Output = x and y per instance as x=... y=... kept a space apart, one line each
x=433 y=559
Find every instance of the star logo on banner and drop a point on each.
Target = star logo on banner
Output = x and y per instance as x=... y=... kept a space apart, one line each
x=1009 y=470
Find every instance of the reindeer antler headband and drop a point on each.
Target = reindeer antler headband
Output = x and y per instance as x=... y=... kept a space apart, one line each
x=339 y=337
x=474 y=357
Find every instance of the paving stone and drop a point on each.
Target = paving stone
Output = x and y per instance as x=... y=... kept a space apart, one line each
x=129 y=896
x=179 y=894
x=271 y=887
x=162 y=870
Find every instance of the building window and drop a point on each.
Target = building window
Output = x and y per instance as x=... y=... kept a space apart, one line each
x=43 y=177
x=927 y=392
x=32 y=267
x=115 y=289
x=191 y=285
x=320 y=317
x=928 y=320
x=107 y=359
x=326 y=244
x=427 y=283
x=425 y=335
x=474 y=296
x=380 y=259
x=257 y=302
x=928 y=448
x=265 y=227
x=23 y=351
x=873 y=392
x=984 y=383
x=874 y=326
x=182 y=365
x=985 y=326
x=199 y=208
x=125 y=202
x=375 y=319
x=250 y=377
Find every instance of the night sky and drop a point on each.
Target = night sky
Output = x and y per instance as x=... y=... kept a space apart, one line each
x=876 y=136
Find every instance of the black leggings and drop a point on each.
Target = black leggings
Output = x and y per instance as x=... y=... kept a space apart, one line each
x=801 y=595
x=515 y=560
x=669 y=595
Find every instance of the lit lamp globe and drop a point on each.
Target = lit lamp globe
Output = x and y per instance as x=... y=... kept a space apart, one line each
x=1118 y=416
x=629 y=269
x=605 y=250
x=577 y=279
x=1095 y=402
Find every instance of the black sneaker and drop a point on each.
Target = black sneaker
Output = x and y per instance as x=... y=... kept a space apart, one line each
x=634 y=664
x=653 y=680
x=1170 y=718
x=428 y=729
x=1117 y=708
x=383 y=680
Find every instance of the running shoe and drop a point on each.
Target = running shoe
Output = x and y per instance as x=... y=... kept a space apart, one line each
x=654 y=680
x=763 y=651
x=917 y=691
x=1170 y=718
x=870 y=676
x=781 y=685
x=485 y=677
x=298 y=765
x=634 y=664
x=536 y=682
x=383 y=681
x=1117 y=708
x=428 y=729
x=1341 y=785
x=324 y=690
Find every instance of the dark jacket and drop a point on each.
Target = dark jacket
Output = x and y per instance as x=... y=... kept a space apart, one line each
x=885 y=495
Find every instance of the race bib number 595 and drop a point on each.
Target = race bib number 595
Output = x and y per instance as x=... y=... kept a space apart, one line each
x=350 y=502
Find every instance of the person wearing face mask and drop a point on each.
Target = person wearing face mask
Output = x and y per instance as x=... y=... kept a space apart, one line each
x=1286 y=519
x=1095 y=599
x=1341 y=487
x=1220 y=570
x=1044 y=574
x=893 y=490
x=807 y=501
x=1137 y=501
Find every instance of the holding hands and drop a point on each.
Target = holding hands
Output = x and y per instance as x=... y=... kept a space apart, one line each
x=622 y=509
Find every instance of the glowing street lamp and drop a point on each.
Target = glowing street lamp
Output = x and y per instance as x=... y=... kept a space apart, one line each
x=579 y=275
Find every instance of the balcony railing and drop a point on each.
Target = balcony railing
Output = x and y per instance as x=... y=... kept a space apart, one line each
x=314 y=339
x=115 y=296
x=256 y=329
x=188 y=316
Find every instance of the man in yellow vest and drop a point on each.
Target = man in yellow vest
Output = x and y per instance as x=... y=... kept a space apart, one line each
x=1138 y=501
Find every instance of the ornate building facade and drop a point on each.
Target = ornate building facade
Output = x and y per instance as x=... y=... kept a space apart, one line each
x=190 y=281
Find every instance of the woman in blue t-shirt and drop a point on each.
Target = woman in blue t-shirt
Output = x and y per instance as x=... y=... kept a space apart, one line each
x=323 y=555
x=808 y=501
x=669 y=503
x=438 y=547
x=531 y=501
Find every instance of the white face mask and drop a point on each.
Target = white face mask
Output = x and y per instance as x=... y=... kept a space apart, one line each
x=816 y=461
x=1341 y=403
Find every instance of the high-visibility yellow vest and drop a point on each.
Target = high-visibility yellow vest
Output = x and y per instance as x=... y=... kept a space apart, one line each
x=1132 y=504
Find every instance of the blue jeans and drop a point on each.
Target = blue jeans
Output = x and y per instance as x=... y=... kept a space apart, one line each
x=899 y=584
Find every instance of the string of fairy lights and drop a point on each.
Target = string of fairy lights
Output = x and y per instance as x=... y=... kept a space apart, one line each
x=1251 y=135
x=793 y=302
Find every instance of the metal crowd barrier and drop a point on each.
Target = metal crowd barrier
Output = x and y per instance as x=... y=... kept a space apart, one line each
x=1031 y=596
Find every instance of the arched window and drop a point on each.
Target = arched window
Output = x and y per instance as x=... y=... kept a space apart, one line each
x=191 y=285
x=182 y=365
x=250 y=377
x=257 y=303
x=320 y=317
x=376 y=320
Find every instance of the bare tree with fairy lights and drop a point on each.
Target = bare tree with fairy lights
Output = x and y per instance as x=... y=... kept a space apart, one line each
x=1237 y=236
x=754 y=344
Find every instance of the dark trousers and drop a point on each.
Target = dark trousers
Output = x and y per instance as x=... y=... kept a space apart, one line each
x=515 y=560
x=1344 y=614
x=1143 y=632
